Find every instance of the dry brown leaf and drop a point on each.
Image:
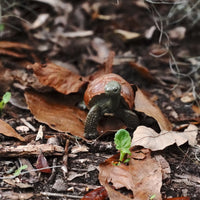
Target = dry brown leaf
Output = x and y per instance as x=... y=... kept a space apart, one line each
x=12 y=53
x=113 y=194
x=177 y=33
x=148 y=177
x=196 y=109
x=96 y=194
x=127 y=34
x=143 y=104
x=7 y=130
x=58 y=116
x=104 y=69
x=14 y=195
x=16 y=45
x=61 y=79
x=143 y=71
x=148 y=138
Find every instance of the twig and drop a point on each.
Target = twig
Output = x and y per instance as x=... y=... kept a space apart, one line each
x=60 y=195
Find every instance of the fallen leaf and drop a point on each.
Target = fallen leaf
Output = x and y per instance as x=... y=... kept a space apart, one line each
x=101 y=48
x=143 y=104
x=41 y=19
x=110 y=124
x=142 y=181
x=77 y=34
x=105 y=68
x=7 y=130
x=143 y=71
x=148 y=138
x=12 y=53
x=188 y=98
x=178 y=198
x=17 y=45
x=61 y=79
x=177 y=33
x=196 y=109
x=42 y=163
x=114 y=194
x=127 y=34
x=57 y=115
x=14 y=195
x=15 y=183
x=96 y=194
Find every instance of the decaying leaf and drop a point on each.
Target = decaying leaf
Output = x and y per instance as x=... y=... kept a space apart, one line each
x=142 y=181
x=148 y=138
x=58 y=116
x=42 y=163
x=177 y=33
x=127 y=34
x=61 y=79
x=17 y=45
x=143 y=104
x=143 y=71
x=7 y=130
x=96 y=194
x=178 y=198
x=14 y=195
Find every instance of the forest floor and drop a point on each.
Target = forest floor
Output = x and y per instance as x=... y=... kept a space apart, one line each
x=51 y=50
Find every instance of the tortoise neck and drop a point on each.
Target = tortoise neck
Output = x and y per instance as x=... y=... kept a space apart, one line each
x=115 y=101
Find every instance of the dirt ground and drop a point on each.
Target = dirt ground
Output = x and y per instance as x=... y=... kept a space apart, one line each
x=79 y=35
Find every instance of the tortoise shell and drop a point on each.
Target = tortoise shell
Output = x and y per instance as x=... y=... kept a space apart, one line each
x=96 y=88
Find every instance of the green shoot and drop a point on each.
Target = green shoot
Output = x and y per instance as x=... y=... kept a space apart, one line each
x=152 y=197
x=2 y=27
x=123 y=143
x=18 y=171
x=5 y=100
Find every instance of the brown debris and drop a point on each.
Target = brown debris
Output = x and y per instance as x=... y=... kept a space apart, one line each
x=31 y=150
x=59 y=116
x=61 y=79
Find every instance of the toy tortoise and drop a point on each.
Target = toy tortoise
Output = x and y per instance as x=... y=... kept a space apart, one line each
x=109 y=93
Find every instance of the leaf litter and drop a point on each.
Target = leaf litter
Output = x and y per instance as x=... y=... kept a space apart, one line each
x=67 y=117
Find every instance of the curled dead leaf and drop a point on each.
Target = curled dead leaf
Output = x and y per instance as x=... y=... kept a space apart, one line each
x=148 y=138
x=57 y=115
x=143 y=104
x=96 y=194
x=61 y=79
x=7 y=130
x=127 y=34
x=17 y=45
x=148 y=177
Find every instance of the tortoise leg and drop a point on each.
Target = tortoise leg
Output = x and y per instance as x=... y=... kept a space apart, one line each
x=93 y=116
x=129 y=118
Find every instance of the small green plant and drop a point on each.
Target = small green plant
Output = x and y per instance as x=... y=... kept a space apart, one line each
x=19 y=170
x=5 y=99
x=123 y=143
x=2 y=27
x=152 y=197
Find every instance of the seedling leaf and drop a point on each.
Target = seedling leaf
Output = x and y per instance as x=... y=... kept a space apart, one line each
x=123 y=142
x=18 y=171
x=6 y=97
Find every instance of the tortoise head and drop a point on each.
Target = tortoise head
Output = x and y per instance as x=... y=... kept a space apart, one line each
x=112 y=88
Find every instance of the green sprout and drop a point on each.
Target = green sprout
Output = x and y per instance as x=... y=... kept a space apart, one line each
x=5 y=99
x=19 y=170
x=152 y=197
x=123 y=143
x=1 y=27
